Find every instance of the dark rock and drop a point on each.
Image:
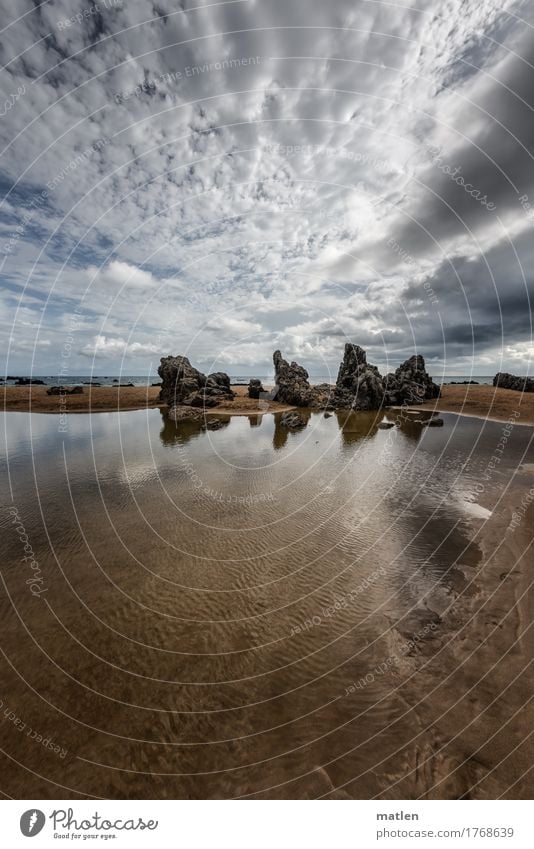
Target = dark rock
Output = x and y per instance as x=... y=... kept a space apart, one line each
x=323 y=395
x=385 y=425
x=435 y=423
x=411 y=383
x=255 y=389
x=292 y=384
x=200 y=400
x=292 y=420
x=28 y=381
x=181 y=383
x=179 y=414
x=359 y=386
x=328 y=415
x=91 y=383
x=64 y=390
x=511 y=381
x=155 y=384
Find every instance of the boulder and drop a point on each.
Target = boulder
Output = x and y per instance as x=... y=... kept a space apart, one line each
x=182 y=384
x=359 y=386
x=410 y=383
x=28 y=381
x=511 y=381
x=385 y=425
x=292 y=421
x=291 y=383
x=255 y=389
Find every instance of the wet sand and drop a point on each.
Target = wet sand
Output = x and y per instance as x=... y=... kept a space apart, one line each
x=99 y=399
x=485 y=402
x=230 y=614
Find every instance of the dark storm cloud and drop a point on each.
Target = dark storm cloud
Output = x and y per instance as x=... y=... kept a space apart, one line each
x=482 y=176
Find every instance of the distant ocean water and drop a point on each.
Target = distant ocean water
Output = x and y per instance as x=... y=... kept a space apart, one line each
x=268 y=380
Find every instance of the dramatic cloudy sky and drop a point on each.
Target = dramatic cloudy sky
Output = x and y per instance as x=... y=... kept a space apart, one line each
x=223 y=179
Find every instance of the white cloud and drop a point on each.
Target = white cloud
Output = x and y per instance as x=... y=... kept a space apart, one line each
x=103 y=346
x=253 y=200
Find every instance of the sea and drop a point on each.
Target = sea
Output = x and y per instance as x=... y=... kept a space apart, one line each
x=267 y=379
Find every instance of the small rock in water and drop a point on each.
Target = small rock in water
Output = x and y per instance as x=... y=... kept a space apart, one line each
x=328 y=415
x=436 y=423
x=386 y=425
x=292 y=421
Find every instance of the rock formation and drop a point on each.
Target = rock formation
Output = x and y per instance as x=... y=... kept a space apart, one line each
x=293 y=421
x=292 y=384
x=255 y=389
x=511 y=381
x=359 y=386
x=182 y=384
x=410 y=383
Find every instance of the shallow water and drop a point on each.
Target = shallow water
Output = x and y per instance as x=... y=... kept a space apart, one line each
x=247 y=611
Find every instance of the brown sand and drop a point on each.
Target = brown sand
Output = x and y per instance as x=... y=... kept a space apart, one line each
x=100 y=399
x=481 y=401
x=485 y=402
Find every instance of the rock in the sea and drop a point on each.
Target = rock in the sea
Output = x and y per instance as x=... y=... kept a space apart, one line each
x=511 y=381
x=435 y=423
x=292 y=384
x=410 y=383
x=385 y=425
x=28 y=381
x=182 y=384
x=255 y=389
x=359 y=386
x=292 y=420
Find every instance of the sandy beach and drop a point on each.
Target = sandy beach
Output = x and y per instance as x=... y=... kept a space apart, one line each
x=484 y=401
x=481 y=400
x=100 y=399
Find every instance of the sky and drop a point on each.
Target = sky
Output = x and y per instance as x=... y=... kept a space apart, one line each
x=225 y=179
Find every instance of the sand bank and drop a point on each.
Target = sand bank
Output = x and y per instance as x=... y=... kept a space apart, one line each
x=486 y=402
x=98 y=399
x=482 y=401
